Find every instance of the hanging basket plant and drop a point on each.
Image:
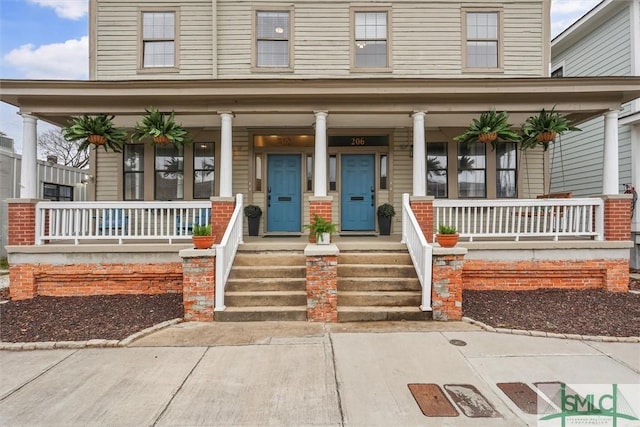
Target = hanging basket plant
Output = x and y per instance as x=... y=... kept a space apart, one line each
x=161 y=128
x=95 y=130
x=544 y=128
x=491 y=128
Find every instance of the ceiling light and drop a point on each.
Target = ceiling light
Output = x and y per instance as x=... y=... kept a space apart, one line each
x=279 y=30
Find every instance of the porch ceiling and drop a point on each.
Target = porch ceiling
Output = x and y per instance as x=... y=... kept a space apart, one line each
x=448 y=102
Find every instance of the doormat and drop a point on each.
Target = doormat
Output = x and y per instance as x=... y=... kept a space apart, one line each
x=432 y=400
x=470 y=401
x=522 y=395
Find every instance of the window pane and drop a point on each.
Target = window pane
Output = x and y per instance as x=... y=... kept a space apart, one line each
x=371 y=39
x=333 y=173
x=134 y=186
x=258 y=186
x=133 y=158
x=169 y=177
x=471 y=170
x=506 y=174
x=203 y=170
x=158 y=54
x=482 y=54
x=506 y=183
x=383 y=171
x=272 y=53
x=273 y=25
x=309 y=168
x=371 y=54
x=157 y=25
x=437 y=176
x=506 y=155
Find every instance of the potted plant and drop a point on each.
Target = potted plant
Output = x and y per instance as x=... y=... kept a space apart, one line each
x=202 y=238
x=447 y=236
x=162 y=129
x=385 y=213
x=321 y=230
x=492 y=127
x=544 y=128
x=253 y=214
x=95 y=130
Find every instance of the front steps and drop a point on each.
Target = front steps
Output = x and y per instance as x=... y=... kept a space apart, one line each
x=378 y=286
x=265 y=286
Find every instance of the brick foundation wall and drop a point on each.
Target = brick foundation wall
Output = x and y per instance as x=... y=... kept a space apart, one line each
x=612 y=275
x=29 y=280
x=199 y=284
x=322 y=288
x=422 y=208
x=22 y=222
x=617 y=218
x=446 y=288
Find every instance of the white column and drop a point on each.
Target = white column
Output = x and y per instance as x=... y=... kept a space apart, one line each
x=226 y=155
x=610 y=163
x=320 y=172
x=28 y=175
x=419 y=158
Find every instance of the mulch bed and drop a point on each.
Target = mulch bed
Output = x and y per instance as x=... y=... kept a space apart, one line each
x=111 y=317
x=583 y=312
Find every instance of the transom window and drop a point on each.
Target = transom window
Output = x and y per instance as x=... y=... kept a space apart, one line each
x=482 y=44
x=158 y=39
x=272 y=39
x=371 y=40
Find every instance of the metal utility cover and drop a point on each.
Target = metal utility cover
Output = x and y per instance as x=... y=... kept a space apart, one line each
x=432 y=401
x=522 y=395
x=470 y=401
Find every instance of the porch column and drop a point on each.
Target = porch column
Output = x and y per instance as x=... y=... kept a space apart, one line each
x=226 y=155
x=610 y=163
x=320 y=172
x=419 y=159
x=28 y=176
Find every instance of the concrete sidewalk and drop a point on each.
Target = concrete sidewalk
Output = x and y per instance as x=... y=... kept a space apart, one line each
x=294 y=374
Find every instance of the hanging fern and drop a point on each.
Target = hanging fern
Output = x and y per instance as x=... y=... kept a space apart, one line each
x=492 y=127
x=161 y=128
x=544 y=128
x=95 y=130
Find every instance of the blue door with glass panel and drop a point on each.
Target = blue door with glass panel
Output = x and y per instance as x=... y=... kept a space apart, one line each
x=283 y=193
x=358 y=197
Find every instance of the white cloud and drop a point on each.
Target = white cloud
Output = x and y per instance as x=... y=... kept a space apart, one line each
x=70 y=9
x=566 y=12
x=61 y=61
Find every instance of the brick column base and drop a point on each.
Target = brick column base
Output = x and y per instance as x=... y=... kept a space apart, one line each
x=322 y=283
x=422 y=208
x=23 y=282
x=446 y=288
x=617 y=217
x=221 y=211
x=22 y=222
x=198 y=284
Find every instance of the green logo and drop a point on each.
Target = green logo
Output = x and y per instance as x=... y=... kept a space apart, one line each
x=600 y=405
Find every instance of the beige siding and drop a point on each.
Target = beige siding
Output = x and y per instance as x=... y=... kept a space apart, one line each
x=401 y=173
x=107 y=180
x=531 y=173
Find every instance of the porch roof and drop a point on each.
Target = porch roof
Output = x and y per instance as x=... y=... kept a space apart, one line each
x=580 y=98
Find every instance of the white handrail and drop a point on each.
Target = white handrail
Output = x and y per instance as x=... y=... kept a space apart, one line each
x=226 y=252
x=522 y=218
x=420 y=250
x=121 y=221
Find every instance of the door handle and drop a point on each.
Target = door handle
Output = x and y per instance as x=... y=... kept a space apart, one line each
x=372 y=189
x=269 y=201
x=269 y=189
x=373 y=200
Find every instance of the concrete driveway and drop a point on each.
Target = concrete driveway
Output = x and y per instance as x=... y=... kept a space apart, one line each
x=294 y=374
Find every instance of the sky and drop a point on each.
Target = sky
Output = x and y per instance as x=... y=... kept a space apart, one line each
x=47 y=39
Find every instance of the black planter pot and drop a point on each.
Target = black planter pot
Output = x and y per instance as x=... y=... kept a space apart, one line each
x=384 y=222
x=254 y=226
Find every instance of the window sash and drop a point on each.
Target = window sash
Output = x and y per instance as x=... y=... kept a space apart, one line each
x=437 y=170
x=507 y=170
x=158 y=39
x=133 y=167
x=472 y=170
x=169 y=172
x=272 y=39
x=203 y=170
x=482 y=34
x=371 y=33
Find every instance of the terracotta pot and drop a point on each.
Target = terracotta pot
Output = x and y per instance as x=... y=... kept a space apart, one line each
x=487 y=137
x=203 y=242
x=546 y=137
x=97 y=139
x=447 y=240
x=162 y=139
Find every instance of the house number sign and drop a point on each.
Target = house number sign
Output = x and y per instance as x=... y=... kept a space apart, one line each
x=359 y=141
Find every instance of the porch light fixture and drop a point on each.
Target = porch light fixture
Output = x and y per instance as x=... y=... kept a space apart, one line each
x=279 y=30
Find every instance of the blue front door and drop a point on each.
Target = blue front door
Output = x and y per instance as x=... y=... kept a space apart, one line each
x=357 y=197
x=283 y=192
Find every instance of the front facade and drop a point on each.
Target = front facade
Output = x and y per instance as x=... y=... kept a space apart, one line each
x=605 y=42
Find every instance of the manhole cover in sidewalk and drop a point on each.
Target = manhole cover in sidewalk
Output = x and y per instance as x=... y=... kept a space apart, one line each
x=432 y=401
x=459 y=343
x=470 y=401
x=522 y=395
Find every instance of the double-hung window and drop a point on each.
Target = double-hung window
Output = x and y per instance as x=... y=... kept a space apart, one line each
x=437 y=173
x=158 y=40
x=371 y=44
x=169 y=172
x=273 y=34
x=472 y=170
x=133 y=172
x=482 y=44
x=203 y=169
x=506 y=170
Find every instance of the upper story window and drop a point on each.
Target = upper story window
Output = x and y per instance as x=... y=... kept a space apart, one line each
x=159 y=39
x=371 y=43
x=558 y=72
x=273 y=48
x=482 y=40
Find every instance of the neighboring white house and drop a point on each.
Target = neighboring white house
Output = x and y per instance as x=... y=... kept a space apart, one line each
x=55 y=182
x=604 y=42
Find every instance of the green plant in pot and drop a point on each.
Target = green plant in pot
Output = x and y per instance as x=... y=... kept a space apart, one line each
x=161 y=128
x=492 y=127
x=321 y=230
x=447 y=236
x=202 y=237
x=386 y=212
x=253 y=214
x=544 y=128
x=95 y=130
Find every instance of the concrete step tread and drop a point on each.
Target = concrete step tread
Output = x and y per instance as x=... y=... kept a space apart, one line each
x=378 y=279
x=280 y=308
x=268 y=267
x=264 y=293
x=365 y=309
x=380 y=293
x=241 y=280
x=377 y=265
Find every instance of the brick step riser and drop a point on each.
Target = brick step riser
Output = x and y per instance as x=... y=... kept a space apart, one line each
x=252 y=300
x=257 y=285
x=379 y=300
x=366 y=284
x=348 y=271
x=375 y=258
x=268 y=273
x=375 y=316
x=261 y=316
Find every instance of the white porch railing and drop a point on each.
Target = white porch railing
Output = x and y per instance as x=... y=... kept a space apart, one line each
x=226 y=252
x=420 y=250
x=516 y=219
x=121 y=221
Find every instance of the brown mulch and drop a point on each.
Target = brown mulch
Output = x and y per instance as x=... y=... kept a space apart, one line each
x=634 y=284
x=111 y=317
x=583 y=312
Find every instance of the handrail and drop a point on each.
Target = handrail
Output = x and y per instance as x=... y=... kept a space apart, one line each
x=420 y=250
x=522 y=218
x=226 y=252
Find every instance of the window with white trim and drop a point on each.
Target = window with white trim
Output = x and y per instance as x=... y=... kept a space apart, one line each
x=371 y=40
x=133 y=171
x=506 y=170
x=472 y=170
x=272 y=39
x=158 y=39
x=482 y=40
